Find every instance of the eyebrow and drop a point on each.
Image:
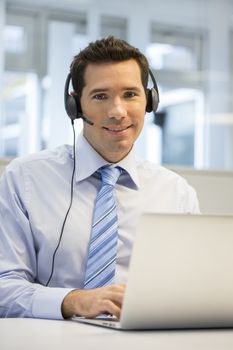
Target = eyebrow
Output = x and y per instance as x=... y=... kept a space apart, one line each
x=93 y=91
x=128 y=88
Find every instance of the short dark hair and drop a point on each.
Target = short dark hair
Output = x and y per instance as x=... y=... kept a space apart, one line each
x=109 y=49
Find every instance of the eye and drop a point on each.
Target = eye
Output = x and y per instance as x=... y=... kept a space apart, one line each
x=100 y=96
x=130 y=94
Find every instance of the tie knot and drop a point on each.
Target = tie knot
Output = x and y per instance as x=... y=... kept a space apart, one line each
x=110 y=174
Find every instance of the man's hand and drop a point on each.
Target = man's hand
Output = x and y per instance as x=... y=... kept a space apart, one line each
x=92 y=302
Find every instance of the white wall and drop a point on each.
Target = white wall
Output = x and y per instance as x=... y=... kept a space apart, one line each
x=214 y=189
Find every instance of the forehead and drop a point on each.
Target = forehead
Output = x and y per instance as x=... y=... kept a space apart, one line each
x=124 y=72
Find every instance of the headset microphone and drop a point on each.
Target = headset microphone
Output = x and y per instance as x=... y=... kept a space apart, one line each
x=84 y=118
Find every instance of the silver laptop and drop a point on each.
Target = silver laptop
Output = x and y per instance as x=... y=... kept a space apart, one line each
x=180 y=276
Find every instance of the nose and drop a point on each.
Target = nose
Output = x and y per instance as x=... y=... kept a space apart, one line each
x=117 y=109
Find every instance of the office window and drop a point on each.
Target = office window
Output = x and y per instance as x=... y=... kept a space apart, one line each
x=21 y=42
x=175 y=56
x=174 y=49
x=14 y=39
x=170 y=57
x=178 y=136
x=34 y=42
x=56 y=127
x=19 y=122
x=230 y=117
x=11 y=146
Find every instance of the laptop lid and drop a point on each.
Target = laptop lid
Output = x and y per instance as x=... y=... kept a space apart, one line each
x=181 y=273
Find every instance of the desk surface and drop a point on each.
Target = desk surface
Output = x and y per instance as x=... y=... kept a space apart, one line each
x=55 y=335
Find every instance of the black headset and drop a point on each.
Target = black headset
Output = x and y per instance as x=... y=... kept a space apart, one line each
x=73 y=105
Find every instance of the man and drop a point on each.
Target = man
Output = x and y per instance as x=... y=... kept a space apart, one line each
x=110 y=81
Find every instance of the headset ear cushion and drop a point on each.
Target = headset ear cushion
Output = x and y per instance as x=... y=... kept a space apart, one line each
x=149 y=101
x=152 y=100
x=73 y=107
x=78 y=105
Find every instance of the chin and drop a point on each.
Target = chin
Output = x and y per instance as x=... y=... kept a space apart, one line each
x=123 y=146
x=120 y=152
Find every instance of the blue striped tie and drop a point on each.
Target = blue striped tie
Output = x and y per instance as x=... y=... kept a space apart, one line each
x=103 y=242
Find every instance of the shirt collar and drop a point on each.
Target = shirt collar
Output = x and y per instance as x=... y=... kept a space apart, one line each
x=88 y=161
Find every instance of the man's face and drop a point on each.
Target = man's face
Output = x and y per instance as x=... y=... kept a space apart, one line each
x=114 y=99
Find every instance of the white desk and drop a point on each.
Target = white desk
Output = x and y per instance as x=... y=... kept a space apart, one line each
x=28 y=334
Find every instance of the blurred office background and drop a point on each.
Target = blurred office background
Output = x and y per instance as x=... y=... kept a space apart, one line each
x=189 y=44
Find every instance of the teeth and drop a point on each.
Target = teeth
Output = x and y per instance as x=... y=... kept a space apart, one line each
x=117 y=129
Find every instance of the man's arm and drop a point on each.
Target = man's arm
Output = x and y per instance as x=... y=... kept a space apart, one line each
x=21 y=295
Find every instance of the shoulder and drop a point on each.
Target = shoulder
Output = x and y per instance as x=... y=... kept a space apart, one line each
x=148 y=170
x=36 y=171
x=39 y=160
x=173 y=191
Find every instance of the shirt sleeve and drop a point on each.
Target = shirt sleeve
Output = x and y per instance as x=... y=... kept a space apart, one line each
x=20 y=293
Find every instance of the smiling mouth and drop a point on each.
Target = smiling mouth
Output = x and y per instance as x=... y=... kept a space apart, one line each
x=117 y=129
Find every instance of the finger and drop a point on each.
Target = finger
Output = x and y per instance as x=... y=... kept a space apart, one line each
x=114 y=288
x=90 y=303
x=111 y=308
x=115 y=297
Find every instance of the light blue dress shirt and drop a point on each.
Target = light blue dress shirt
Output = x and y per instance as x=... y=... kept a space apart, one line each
x=34 y=198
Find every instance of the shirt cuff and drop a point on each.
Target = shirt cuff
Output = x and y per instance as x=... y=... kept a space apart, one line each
x=47 y=302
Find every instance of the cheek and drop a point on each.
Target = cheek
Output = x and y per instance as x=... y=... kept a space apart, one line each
x=139 y=109
x=140 y=125
x=138 y=116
